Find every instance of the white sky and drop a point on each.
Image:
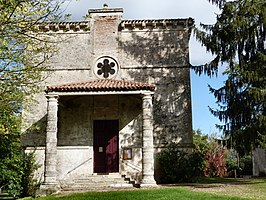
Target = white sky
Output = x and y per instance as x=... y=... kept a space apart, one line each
x=201 y=10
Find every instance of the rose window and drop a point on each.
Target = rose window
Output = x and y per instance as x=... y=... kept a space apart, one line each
x=106 y=67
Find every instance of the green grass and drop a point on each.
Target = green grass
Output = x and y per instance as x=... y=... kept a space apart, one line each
x=179 y=193
x=206 y=189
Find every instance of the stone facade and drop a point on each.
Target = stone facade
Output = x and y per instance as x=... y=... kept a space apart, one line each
x=108 y=47
x=259 y=162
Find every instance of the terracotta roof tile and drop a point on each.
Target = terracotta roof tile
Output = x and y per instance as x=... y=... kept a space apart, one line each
x=101 y=85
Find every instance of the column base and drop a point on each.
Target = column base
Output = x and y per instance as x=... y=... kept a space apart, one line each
x=48 y=189
x=151 y=185
x=148 y=183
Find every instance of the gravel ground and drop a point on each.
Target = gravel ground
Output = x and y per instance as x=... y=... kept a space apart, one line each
x=247 y=188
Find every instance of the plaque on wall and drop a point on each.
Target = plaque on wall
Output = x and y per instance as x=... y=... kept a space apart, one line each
x=127 y=153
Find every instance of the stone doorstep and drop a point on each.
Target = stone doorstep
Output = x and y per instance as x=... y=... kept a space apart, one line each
x=99 y=182
x=5 y=196
x=98 y=186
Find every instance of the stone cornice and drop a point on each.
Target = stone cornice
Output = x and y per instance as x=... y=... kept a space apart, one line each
x=84 y=26
x=106 y=10
x=156 y=24
x=79 y=26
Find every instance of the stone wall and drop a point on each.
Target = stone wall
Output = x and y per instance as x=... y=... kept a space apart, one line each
x=157 y=55
x=259 y=162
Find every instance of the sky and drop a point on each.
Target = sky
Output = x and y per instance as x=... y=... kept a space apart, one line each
x=203 y=12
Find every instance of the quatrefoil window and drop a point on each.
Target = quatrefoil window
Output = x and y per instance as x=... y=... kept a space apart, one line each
x=106 y=67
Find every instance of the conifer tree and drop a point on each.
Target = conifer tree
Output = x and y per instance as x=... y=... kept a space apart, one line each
x=237 y=40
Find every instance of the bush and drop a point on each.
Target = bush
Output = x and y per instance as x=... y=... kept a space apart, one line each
x=208 y=159
x=245 y=164
x=16 y=168
x=178 y=166
x=29 y=183
x=216 y=161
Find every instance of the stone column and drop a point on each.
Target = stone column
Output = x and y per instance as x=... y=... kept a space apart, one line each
x=50 y=182
x=147 y=145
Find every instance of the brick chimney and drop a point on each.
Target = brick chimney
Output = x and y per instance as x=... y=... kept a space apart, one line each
x=104 y=30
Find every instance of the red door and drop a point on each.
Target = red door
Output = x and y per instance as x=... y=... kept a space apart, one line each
x=105 y=146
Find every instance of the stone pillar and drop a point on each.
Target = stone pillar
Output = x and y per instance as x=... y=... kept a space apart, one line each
x=50 y=182
x=147 y=145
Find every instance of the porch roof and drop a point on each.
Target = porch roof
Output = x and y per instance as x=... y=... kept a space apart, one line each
x=101 y=85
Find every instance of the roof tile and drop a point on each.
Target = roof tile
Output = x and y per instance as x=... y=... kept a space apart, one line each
x=101 y=85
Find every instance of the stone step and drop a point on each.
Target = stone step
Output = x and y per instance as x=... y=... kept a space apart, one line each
x=94 y=179
x=5 y=196
x=99 y=182
x=99 y=186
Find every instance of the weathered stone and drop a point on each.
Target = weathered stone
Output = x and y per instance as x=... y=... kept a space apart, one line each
x=51 y=142
x=151 y=51
x=147 y=135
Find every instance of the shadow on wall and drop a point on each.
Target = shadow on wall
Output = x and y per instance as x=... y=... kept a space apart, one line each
x=35 y=135
x=161 y=58
x=154 y=48
x=75 y=116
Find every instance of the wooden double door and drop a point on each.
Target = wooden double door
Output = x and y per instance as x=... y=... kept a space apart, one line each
x=105 y=146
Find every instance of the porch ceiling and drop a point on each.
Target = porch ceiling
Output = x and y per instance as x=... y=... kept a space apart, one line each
x=101 y=85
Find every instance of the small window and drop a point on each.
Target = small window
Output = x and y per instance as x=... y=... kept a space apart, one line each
x=106 y=67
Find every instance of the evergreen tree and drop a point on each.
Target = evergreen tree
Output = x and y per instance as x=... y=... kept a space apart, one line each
x=237 y=40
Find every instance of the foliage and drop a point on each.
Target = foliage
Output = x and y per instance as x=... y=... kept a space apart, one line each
x=23 y=54
x=201 y=142
x=245 y=164
x=237 y=40
x=29 y=182
x=16 y=167
x=232 y=163
x=215 y=157
x=211 y=152
x=169 y=161
x=207 y=159
x=10 y=164
x=178 y=166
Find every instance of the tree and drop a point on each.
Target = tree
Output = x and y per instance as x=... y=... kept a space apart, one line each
x=23 y=53
x=237 y=40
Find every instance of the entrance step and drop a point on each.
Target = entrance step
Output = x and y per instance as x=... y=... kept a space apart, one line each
x=5 y=196
x=96 y=181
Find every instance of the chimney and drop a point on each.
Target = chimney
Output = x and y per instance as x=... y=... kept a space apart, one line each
x=104 y=25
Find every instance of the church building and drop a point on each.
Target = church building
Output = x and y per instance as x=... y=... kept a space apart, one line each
x=117 y=93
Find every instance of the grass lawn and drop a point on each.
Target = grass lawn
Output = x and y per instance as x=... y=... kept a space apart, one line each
x=207 y=189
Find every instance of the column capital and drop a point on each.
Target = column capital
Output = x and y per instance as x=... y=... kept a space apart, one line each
x=147 y=94
x=52 y=96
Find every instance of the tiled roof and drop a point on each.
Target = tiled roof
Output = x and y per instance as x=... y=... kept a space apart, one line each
x=101 y=85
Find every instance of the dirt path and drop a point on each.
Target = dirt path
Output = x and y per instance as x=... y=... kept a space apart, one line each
x=247 y=188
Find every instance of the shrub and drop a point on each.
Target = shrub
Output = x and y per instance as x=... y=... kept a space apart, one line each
x=16 y=168
x=216 y=161
x=178 y=166
x=208 y=159
x=29 y=184
x=245 y=164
